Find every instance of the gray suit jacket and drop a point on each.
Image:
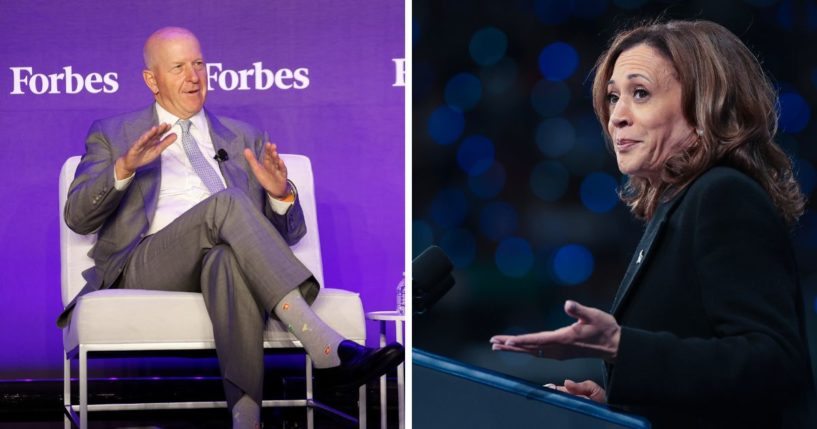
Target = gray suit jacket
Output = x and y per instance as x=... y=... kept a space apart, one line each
x=121 y=218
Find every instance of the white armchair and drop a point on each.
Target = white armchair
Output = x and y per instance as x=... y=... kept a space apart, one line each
x=144 y=320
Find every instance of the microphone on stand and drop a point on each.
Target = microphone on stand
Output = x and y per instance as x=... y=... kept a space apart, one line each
x=432 y=278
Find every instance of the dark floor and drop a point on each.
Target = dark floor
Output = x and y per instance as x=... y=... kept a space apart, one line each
x=37 y=404
x=22 y=408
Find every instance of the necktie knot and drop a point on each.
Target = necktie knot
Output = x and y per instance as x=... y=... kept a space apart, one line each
x=185 y=124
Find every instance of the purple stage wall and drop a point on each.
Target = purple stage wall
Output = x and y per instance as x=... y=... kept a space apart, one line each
x=348 y=119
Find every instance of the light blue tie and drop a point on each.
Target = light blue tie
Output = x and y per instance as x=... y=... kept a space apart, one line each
x=205 y=171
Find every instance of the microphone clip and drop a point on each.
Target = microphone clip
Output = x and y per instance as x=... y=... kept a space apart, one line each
x=221 y=155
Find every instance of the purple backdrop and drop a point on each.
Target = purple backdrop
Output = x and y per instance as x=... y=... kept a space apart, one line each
x=348 y=120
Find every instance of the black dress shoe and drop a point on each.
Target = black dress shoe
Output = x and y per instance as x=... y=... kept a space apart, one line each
x=359 y=364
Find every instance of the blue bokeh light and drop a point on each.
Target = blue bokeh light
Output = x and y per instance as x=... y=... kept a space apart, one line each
x=499 y=77
x=449 y=208
x=806 y=176
x=490 y=183
x=498 y=220
x=463 y=91
x=794 y=112
x=475 y=155
x=785 y=15
x=550 y=98
x=552 y=11
x=598 y=192
x=629 y=4
x=573 y=264
x=514 y=257
x=446 y=125
x=488 y=46
x=549 y=180
x=761 y=3
x=460 y=246
x=555 y=136
x=422 y=236
x=589 y=9
x=558 y=61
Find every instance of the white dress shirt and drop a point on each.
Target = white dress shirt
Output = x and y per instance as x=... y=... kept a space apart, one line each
x=181 y=188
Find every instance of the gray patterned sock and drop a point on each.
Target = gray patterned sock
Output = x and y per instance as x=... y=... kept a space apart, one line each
x=246 y=414
x=319 y=340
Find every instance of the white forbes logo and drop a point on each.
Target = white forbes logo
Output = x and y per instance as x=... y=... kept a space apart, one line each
x=25 y=81
x=255 y=78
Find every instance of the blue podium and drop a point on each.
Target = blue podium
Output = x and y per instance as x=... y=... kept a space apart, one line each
x=450 y=394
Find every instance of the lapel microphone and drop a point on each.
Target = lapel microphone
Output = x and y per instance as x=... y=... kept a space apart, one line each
x=221 y=155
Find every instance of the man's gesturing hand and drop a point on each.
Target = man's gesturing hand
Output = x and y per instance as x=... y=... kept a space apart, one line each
x=595 y=334
x=147 y=148
x=271 y=172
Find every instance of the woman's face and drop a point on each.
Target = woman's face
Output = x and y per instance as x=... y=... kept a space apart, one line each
x=646 y=122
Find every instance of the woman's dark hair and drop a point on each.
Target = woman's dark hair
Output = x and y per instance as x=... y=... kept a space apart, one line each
x=725 y=94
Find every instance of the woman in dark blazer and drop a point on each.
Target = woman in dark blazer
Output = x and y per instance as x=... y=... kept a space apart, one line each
x=706 y=329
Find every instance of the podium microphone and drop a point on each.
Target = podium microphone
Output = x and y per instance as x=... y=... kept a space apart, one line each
x=432 y=278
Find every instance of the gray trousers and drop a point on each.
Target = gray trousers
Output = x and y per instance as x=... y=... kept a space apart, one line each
x=226 y=249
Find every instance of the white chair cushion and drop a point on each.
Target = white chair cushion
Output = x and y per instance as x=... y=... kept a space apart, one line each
x=153 y=318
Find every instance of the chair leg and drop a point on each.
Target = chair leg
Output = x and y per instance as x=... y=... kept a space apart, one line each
x=66 y=389
x=83 y=387
x=310 y=411
x=361 y=407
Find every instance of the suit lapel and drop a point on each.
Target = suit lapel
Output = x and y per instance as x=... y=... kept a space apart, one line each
x=148 y=176
x=652 y=235
x=223 y=138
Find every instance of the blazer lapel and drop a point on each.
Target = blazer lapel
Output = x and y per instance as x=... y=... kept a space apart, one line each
x=223 y=138
x=148 y=176
x=652 y=235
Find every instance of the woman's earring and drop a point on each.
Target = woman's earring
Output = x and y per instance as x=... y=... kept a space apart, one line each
x=699 y=131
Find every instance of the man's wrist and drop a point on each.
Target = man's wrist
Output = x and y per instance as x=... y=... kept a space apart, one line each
x=289 y=193
x=120 y=171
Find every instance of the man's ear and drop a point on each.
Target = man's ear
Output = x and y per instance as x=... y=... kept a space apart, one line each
x=150 y=81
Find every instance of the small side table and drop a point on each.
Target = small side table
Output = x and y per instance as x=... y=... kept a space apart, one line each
x=397 y=318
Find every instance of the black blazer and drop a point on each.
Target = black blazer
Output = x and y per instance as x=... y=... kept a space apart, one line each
x=712 y=314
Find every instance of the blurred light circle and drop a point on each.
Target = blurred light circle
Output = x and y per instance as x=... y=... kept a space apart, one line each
x=488 y=46
x=475 y=155
x=550 y=98
x=514 y=257
x=449 y=207
x=555 y=136
x=794 y=112
x=572 y=264
x=490 y=183
x=761 y=3
x=463 y=91
x=499 y=77
x=558 y=61
x=589 y=134
x=806 y=175
x=415 y=31
x=629 y=4
x=422 y=236
x=460 y=246
x=552 y=11
x=549 y=180
x=446 y=125
x=589 y=9
x=498 y=220
x=598 y=192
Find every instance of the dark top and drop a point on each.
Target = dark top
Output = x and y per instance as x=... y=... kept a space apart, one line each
x=712 y=316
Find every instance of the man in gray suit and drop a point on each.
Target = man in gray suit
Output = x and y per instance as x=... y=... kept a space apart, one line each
x=183 y=200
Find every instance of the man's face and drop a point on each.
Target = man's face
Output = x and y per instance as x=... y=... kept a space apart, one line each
x=177 y=75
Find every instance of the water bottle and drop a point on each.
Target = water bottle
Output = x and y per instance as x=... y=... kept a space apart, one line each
x=401 y=295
